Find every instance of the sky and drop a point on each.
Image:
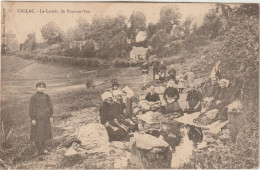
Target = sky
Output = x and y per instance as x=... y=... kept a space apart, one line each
x=21 y=23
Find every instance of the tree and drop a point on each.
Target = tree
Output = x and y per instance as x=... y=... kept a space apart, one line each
x=110 y=34
x=211 y=24
x=248 y=9
x=52 y=33
x=151 y=30
x=83 y=23
x=186 y=26
x=138 y=23
x=169 y=16
x=88 y=49
x=30 y=42
x=158 y=41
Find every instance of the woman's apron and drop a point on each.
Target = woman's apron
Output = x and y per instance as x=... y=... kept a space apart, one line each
x=172 y=106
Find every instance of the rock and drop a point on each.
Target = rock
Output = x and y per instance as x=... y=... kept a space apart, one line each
x=225 y=131
x=234 y=109
x=224 y=137
x=210 y=140
x=144 y=105
x=150 y=117
x=2 y=164
x=68 y=142
x=235 y=106
x=121 y=163
x=136 y=110
x=216 y=129
x=94 y=135
x=71 y=152
x=150 y=152
x=211 y=149
x=212 y=114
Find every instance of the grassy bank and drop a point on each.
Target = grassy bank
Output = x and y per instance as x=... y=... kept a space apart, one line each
x=241 y=154
x=14 y=111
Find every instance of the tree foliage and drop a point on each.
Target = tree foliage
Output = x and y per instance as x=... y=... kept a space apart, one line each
x=137 y=23
x=238 y=49
x=30 y=43
x=52 y=33
x=211 y=25
x=169 y=16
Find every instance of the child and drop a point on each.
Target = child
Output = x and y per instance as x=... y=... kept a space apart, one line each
x=181 y=84
x=41 y=111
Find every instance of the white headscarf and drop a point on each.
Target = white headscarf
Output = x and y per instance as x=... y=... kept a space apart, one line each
x=117 y=92
x=106 y=95
x=129 y=92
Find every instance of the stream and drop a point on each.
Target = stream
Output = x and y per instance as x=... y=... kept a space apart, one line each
x=182 y=138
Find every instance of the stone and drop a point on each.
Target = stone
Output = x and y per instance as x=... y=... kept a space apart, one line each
x=68 y=142
x=94 y=137
x=150 y=117
x=235 y=106
x=150 y=152
x=212 y=114
x=144 y=105
x=210 y=140
x=216 y=129
x=121 y=163
x=136 y=110
x=225 y=131
x=71 y=152
x=224 y=137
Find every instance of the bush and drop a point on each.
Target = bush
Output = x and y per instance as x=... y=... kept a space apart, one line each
x=125 y=64
x=81 y=62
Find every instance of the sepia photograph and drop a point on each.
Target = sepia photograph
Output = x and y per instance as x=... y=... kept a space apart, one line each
x=129 y=85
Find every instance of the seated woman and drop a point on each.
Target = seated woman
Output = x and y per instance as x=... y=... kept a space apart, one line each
x=223 y=99
x=211 y=95
x=128 y=95
x=193 y=99
x=118 y=108
x=171 y=96
x=109 y=119
x=214 y=88
x=153 y=99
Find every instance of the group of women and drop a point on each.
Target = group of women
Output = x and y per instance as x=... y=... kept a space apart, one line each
x=116 y=112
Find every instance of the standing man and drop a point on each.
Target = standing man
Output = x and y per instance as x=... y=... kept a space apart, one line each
x=162 y=71
x=155 y=65
x=172 y=73
x=144 y=69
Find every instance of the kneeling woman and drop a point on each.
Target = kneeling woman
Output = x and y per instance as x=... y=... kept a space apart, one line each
x=109 y=119
x=171 y=96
